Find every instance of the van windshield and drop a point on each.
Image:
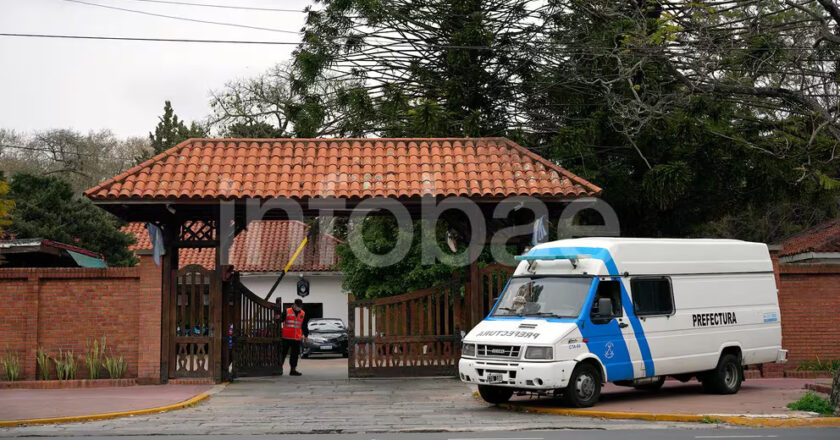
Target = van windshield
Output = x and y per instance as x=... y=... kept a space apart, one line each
x=550 y=297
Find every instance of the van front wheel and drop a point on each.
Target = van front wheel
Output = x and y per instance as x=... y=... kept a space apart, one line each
x=584 y=387
x=495 y=395
x=726 y=378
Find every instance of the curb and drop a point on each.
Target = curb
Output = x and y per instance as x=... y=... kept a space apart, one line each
x=103 y=416
x=757 y=421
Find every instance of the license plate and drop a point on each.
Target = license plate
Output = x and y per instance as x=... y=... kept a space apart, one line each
x=494 y=377
x=326 y=346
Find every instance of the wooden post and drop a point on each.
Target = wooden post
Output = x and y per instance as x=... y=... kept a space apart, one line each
x=351 y=337
x=216 y=305
x=169 y=269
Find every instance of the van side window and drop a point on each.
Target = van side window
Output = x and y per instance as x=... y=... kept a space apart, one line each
x=609 y=289
x=652 y=296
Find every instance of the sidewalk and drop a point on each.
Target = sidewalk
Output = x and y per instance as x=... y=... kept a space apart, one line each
x=19 y=404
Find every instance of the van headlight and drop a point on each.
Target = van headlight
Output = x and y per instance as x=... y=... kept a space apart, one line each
x=468 y=350
x=539 y=353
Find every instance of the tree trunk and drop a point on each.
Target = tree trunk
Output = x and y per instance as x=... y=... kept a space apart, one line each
x=835 y=391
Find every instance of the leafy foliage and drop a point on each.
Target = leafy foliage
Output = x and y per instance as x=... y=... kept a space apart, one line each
x=47 y=208
x=818 y=364
x=169 y=132
x=813 y=403
x=11 y=366
x=116 y=366
x=94 y=357
x=6 y=204
x=65 y=365
x=380 y=236
x=43 y=360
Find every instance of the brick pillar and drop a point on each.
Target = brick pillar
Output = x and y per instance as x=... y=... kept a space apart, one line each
x=149 y=321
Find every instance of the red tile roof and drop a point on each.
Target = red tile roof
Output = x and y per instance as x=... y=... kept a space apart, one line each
x=821 y=238
x=266 y=246
x=351 y=168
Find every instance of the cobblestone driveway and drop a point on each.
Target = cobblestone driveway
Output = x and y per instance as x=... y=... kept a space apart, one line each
x=324 y=402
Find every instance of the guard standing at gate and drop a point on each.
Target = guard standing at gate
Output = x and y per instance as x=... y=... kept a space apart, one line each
x=292 y=335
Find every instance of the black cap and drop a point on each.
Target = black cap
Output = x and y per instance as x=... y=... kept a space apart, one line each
x=298 y=302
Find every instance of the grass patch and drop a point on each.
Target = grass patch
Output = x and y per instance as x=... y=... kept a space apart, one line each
x=813 y=403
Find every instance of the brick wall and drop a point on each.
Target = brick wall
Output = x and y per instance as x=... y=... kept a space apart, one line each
x=63 y=308
x=809 y=298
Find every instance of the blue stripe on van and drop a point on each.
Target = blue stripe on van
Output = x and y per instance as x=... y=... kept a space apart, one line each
x=617 y=364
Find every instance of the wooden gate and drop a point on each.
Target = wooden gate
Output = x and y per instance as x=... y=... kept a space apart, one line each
x=252 y=344
x=192 y=313
x=482 y=295
x=415 y=334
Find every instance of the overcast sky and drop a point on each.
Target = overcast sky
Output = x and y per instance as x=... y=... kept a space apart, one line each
x=121 y=85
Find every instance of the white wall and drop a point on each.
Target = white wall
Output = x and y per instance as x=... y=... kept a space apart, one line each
x=324 y=288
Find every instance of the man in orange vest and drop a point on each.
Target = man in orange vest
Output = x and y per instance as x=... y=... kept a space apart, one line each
x=292 y=335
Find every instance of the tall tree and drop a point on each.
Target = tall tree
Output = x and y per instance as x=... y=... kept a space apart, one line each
x=46 y=207
x=426 y=68
x=83 y=160
x=169 y=132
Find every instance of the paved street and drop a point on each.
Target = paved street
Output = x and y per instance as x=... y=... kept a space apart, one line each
x=324 y=401
x=568 y=434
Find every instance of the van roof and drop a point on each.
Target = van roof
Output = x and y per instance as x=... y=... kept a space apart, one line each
x=653 y=256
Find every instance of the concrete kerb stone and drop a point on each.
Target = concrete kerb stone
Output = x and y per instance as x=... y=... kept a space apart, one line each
x=103 y=416
x=762 y=420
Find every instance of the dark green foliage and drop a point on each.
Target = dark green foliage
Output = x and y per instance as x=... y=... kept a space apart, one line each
x=46 y=207
x=408 y=274
x=812 y=403
x=169 y=132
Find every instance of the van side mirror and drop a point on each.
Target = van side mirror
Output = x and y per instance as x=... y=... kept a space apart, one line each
x=604 y=308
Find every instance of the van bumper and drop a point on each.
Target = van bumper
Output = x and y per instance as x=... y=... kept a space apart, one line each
x=781 y=356
x=521 y=375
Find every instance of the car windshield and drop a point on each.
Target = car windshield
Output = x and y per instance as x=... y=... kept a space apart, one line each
x=326 y=325
x=551 y=297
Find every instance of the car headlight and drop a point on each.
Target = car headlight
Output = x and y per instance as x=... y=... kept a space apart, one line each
x=468 y=350
x=539 y=353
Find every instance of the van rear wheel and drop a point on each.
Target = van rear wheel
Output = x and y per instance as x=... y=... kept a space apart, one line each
x=726 y=378
x=584 y=387
x=495 y=395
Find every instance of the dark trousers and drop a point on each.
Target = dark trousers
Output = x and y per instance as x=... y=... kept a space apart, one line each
x=293 y=346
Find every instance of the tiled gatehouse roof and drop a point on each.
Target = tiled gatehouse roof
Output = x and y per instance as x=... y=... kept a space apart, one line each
x=265 y=246
x=201 y=169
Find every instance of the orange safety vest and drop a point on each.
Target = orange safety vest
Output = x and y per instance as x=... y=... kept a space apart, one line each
x=293 y=325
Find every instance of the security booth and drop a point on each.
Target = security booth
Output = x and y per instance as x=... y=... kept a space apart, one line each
x=201 y=193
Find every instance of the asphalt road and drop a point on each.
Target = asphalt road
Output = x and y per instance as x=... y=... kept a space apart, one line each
x=590 y=434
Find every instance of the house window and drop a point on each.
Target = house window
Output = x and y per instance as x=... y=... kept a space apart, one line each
x=652 y=296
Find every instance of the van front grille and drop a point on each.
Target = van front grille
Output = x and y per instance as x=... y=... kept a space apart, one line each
x=498 y=351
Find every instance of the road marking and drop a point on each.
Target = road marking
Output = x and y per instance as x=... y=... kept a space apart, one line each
x=735 y=436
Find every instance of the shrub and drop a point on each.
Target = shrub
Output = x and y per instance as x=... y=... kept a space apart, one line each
x=819 y=365
x=11 y=366
x=813 y=403
x=65 y=365
x=43 y=364
x=116 y=366
x=93 y=358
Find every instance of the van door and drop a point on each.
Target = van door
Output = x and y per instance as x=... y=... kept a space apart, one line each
x=605 y=334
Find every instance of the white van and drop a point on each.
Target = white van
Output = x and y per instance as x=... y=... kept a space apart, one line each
x=578 y=313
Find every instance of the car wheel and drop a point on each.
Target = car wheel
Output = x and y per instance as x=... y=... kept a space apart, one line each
x=495 y=395
x=726 y=378
x=584 y=387
x=651 y=386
